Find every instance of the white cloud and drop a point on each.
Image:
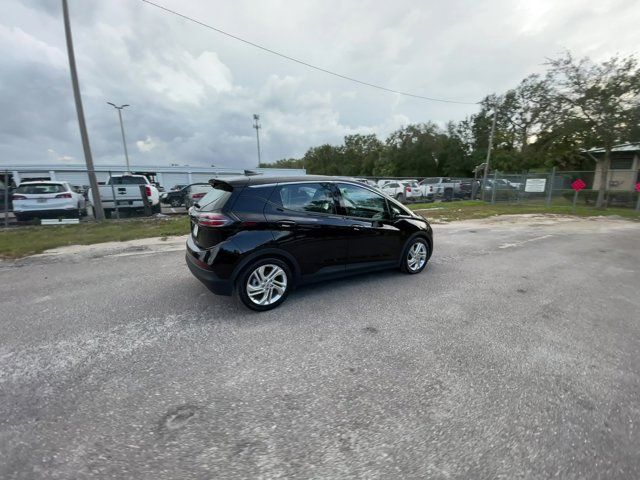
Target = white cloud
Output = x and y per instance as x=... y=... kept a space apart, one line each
x=193 y=91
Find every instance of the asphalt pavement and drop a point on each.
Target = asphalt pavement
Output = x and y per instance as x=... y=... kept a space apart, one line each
x=516 y=354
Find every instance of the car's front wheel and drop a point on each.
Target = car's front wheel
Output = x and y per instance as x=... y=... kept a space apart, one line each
x=415 y=256
x=265 y=284
x=176 y=202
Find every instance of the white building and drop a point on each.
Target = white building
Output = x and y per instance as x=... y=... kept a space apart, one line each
x=167 y=177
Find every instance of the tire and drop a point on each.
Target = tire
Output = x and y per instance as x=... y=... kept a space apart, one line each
x=21 y=217
x=411 y=265
x=176 y=202
x=157 y=208
x=252 y=274
x=107 y=213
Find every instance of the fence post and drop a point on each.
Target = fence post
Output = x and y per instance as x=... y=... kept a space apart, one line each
x=493 y=190
x=551 y=181
x=6 y=198
x=113 y=194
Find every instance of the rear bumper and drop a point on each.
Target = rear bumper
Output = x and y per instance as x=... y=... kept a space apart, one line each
x=217 y=285
x=49 y=212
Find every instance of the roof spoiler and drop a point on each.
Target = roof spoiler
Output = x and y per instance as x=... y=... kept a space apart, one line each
x=221 y=185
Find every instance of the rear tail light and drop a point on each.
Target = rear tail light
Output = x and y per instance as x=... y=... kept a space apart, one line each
x=64 y=195
x=212 y=219
x=15 y=196
x=408 y=189
x=431 y=188
x=147 y=190
x=196 y=196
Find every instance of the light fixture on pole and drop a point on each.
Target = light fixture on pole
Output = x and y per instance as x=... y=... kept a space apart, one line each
x=257 y=126
x=124 y=142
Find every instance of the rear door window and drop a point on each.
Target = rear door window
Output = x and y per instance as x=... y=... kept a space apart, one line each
x=305 y=197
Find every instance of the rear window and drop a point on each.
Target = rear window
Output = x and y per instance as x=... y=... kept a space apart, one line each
x=40 y=188
x=128 y=180
x=214 y=199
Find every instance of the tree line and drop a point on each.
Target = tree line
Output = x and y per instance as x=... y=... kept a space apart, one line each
x=545 y=121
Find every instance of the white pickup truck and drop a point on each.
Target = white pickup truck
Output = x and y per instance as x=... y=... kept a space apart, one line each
x=128 y=196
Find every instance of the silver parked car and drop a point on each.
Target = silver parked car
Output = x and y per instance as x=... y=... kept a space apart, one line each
x=47 y=199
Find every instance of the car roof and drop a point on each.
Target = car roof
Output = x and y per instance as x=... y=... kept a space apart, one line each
x=267 y=180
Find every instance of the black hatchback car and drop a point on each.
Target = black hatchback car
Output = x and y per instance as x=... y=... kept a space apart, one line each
x=262 y=236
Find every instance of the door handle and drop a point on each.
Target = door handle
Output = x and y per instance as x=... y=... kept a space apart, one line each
x=286 y=223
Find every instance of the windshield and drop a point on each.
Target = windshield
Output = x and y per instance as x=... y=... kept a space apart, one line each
x=40 y=188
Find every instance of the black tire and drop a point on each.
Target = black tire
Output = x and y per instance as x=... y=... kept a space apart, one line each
x=107 y=213
x=21 y=217
x=157 y=208
x=406 y=265
x=242 y=284
x=176 y=202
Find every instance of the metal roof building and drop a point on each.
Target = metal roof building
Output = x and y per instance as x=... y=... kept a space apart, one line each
x=76 y=174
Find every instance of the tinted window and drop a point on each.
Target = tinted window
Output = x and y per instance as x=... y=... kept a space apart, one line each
x=252 y=199
x=305 y=197
x=214 y=199
x=41 y=188
x=362 y=202
x=391 y=185
x=128 y=180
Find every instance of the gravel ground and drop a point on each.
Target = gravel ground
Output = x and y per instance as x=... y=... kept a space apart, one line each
x=516 y=354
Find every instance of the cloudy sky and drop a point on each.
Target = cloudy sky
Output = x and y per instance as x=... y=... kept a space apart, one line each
x=193 y=91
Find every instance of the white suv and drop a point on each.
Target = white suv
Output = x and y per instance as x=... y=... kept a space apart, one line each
x=47 y=199
x=403 y=190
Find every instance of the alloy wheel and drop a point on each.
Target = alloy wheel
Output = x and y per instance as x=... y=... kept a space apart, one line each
x=417 y=256
x=266 y=284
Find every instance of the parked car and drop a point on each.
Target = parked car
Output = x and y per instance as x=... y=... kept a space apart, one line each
x=175 y=198
x=262 y=236
x=47 y=199
x=194 y=192
x=128 y=196
x=403 y=191
x=443 y=187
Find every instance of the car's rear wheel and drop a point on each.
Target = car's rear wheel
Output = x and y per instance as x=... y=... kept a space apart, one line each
x=176 y=202
x=264 y=284
x=415 y=256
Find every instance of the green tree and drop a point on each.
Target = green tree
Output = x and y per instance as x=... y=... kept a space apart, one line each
x=601 y=98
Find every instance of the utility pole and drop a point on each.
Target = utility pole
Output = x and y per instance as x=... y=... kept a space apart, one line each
x=98 y=212
x=486 y=165
x=257 y=126
x=124 y=142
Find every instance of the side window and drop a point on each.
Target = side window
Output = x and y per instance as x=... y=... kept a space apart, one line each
x=306 y=197
x=363 y=203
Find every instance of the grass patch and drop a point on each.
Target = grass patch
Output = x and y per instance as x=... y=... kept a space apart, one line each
x=473 y=209
x=23 y=241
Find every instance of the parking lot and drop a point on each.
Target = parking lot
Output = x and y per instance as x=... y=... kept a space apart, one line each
x=514 y=355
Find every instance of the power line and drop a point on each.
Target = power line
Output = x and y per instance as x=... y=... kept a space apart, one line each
x=301 y=62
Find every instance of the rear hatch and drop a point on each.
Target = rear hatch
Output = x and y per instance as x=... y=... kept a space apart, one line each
x=210 y=222
x=41 y=196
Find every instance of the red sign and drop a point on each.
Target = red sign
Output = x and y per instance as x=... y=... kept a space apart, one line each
x=578 y=185
x=638 y=187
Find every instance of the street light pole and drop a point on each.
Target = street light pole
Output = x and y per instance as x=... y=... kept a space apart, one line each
x=257 y=126
x=486 y=165
x=98 y=212
x=124 y=141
